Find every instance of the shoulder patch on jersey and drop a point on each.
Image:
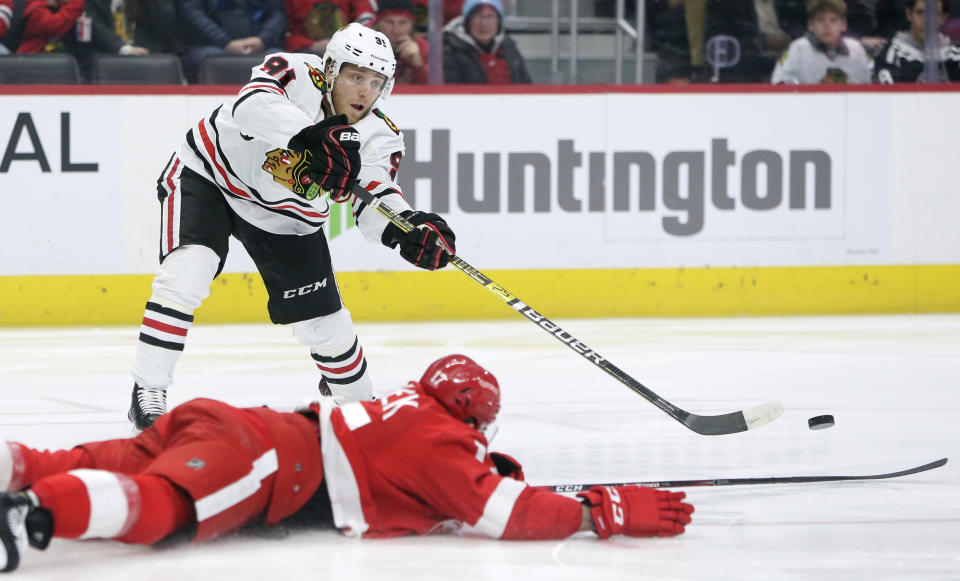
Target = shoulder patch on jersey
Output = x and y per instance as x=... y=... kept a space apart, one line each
x=319 y=81
x=386 y=120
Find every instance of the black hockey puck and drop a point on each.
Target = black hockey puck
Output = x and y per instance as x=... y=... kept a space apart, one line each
x=820 y=422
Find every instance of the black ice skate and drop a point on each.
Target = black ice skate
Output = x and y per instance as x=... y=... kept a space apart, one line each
x=146 y=406
x=21 y=522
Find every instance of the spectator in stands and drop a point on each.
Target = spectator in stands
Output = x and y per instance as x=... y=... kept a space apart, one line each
x=875 y=21
x=47 y=23
x=311 y=23
x=395 y=21
x=764 y=29
x=243 y=27
x=10 y=39
x=6 y=15
x=154 y=24
x=477 y=50
x=952 y=27
x=902 y=60
x=126 y=27
x=773 y=37
x=421 y=13
x=823 y=55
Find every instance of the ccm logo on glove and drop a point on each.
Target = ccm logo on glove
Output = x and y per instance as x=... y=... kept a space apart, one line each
x=615 y=508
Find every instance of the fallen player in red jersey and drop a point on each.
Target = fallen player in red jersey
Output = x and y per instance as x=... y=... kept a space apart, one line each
x=413 y=462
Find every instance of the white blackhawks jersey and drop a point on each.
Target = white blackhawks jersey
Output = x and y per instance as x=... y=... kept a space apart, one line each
x=241 y=147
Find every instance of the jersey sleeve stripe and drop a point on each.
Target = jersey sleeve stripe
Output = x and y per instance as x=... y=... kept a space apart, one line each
x=499 y=507
x=304 y=212
x=229 y=186
x=263 y=87
x=265 y=80
x=379 y=190
x=244 y=98
x=212 y=156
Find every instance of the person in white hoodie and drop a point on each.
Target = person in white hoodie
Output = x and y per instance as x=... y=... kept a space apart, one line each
x=824 y=55
x=477 y=50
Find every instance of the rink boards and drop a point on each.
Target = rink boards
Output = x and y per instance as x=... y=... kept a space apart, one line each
x=594 y=202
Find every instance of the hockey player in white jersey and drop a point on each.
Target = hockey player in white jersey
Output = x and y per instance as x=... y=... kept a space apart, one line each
x=246 y=170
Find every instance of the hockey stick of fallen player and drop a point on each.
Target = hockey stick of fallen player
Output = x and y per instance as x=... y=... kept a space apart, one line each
x=707 y=425
x=739 y=481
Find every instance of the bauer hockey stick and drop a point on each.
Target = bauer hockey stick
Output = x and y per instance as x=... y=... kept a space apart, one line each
x=564 y=488
x=731 y=423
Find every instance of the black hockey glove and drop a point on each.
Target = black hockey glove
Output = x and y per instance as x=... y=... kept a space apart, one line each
x=428 y=246
x=507 y=465
x=335 y=149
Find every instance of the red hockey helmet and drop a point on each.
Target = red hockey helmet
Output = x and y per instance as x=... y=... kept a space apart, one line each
x=467 y=390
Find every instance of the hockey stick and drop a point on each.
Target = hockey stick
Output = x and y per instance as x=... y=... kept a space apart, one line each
x=731 y=423
x=739 y=481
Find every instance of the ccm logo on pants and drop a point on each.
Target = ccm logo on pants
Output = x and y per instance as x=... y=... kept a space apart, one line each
x=306 y=289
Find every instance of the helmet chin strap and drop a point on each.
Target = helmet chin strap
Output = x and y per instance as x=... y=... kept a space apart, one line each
x=328 y=101
x=331 y=79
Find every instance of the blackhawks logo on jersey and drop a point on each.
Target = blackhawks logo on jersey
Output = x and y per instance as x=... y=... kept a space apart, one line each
x=386 y=120
x=835 y=76
x=289 y=169
x=319 y=81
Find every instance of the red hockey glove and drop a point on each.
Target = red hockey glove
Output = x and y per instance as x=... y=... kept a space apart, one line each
x=428 y=246
x=636 y=511
x=507 y=466
x=335 y=146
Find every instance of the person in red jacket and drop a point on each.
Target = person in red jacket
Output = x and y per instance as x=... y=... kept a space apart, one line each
x=46 y=22
x=311 y=23
x=478 y=50
x=413 y=462
x=395 y=20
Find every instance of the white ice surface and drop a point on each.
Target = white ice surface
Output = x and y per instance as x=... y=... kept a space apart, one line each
x=893 y=384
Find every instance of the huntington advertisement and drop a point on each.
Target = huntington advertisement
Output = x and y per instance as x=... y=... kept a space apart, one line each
x=619 y=180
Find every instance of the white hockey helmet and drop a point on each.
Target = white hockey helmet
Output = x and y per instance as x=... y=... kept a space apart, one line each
x=361 y=46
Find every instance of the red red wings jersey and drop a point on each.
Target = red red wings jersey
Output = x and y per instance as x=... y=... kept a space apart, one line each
x=241 y=147
x=403 y=465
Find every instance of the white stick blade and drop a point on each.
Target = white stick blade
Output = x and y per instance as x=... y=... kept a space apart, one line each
x=762 y=414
